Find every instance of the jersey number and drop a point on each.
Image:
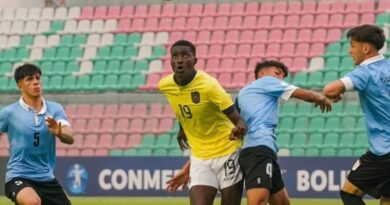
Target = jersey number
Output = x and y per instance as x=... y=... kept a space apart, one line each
x=229 y=167
x=36 y=139
x=185 y=111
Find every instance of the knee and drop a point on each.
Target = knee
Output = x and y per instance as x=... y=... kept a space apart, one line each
x=32 y=201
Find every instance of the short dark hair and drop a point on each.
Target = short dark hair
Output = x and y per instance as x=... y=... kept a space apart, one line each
x=26 y=70
x=185 y=43
x=270 y=63
x=368 y=34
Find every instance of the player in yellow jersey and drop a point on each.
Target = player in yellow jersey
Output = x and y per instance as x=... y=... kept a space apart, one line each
x=208 y=120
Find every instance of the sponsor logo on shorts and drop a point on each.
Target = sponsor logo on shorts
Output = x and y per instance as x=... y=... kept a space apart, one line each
x=258 y=180
x=18 y=183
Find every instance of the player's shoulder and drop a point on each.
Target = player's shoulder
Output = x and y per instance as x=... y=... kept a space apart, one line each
x=10 y=107
x=206 y=79
x=54 y=105
x=166 y=81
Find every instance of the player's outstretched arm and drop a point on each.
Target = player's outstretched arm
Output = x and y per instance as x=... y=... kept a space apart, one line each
x=334 y=90
x=182 y=139
x=240 y=128
x=313 y=97
x=63 y=132
x=180 y=179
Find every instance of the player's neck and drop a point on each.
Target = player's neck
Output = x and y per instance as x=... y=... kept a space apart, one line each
x=184 y=82
x=34 y=102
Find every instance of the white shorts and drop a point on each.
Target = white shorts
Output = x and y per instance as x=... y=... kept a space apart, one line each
x=219 y=172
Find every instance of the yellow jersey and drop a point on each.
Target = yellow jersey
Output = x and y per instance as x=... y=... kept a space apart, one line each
x=198 y=107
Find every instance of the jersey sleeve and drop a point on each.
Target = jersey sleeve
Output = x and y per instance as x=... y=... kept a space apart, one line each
x=60 y=116
x=219 y=97
x=359 y=78
x=3 y=121
x=276 y=87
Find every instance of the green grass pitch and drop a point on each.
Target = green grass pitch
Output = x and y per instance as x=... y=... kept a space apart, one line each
x=175 y=201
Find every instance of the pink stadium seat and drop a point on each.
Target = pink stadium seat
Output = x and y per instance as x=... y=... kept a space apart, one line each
x=202 y=51
x=266 y=8
x=86 y=13
x=368 y=6
x=215 y=51
x=210 y=9
x=292 y=21
x=124 y=26
x=336 y=21
x=223 y=9
x=323 y=7
x=190 y=36
x=59 y=152
x=249 y=22
x=352 y=7
x=79 y=125
x=165 y=24
x=152 y=82
x=252 y=8
x=333 y=35
x=83 y=111
x=107 y=126
x=100 y=12
x=244 y=51
x=337 y=7
x=275 y=36
x=273 y=50
x=304 y=36
x=70 y=110
x=258 y=50
x=140 y=110
x=322 y=21
x=351 y=20
x=367 y=18
x=155 y=110
x=302 y=50
x=235 y=22
x=239 y=80
x=307 y=21
x=239 y=65
x=225 y=79
x=151 y=24
x=299 y=64
x=97 y=111
x=122 y=126
x=287 y=61
x=246 y=37
x=87 y=152
x=90 y=141
x=251 y=66
x=207 y=23
x=309 y=7
x=168 y=112
x=280 y=8
x=127 y=11
x=237 y=9
x=136 y=125
x=4 y=144
x=232 y=36
x=179 y=24
x=203 y=37
x=287 y=50
x=264 y=22
x=229 y=51
x=182 y=10
x=220 y=23
x=120 y=141
x=318 y=35
x=110 y=111
x=317 y=49
x=383 y=5
x=154 y=11
x=101 y=152
x=133 y=140
x=93 y=126
x=165 y=125
x=73 y=152
x=175 y=36
x=261 y=36
x=196 y=10
x=217 y=37
x=212 y=65
x=289 y=36
x=168 y=10
x=137 y=25
x=200 y=63
x=294 y=7
x=226 y=65
x=141 y=11
x=113 y=12
x=105 y=141
x=193 y=23
x=151 y=126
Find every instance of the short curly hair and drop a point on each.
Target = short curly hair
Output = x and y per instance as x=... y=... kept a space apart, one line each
x=270 y=63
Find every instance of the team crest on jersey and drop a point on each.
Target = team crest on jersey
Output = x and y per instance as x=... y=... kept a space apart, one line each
x=195 y=97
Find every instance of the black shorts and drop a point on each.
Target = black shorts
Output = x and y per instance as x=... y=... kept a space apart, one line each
x=371 y=174
x=51 y=192
x=261 y=169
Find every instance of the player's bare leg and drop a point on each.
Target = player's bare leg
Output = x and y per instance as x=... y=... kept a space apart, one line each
x=385 y=201
x=232 y=195
x=28 y=196
x=280 y=198
x=257 y=196
x=351 y=195
x=202 y=195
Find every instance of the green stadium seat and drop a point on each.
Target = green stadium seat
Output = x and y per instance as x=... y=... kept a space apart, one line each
x=351 y=109
x=317 y=124
x=298 y=140
x=332 y=124
x=345 y=152
x=66 y=40
x=79 y=39
x=83 y=82
x=175 y=152
x=26 y=41
x=130 y=52
x=345 y=48
x=49 y=54
x=69 y=83
x=97 y=82
x=22 y=53
x=175 y=129
x=330 y=76
x=144 y=151
x=382 y=19
x=288 y=109
x=288 y=79
x=283 y=140
x=3 y=83
x=47 y=67
x=158 y=51
x=120 y=39
x=332 y=63
x=301 y=123
x=304 y=109
x=100 y=67
x=45 y=81
x=348 y=123
x=71 y=67
x=358 y=152
x=361 y=125
x=160 y=151
x=337 y=109
x=361 y=141
x=9 y=54
x=138 y=80
x=103 y=53
x=130 y=152
x=125 y=82
x=328 y=152
x=315 y=80
x=76 y=52
x=115 y=153
x=111 y=82
x=12 y=87
x=163 y=140
x=347 y=63
x=300 y=79
x=347 y=140
x=331 y=140
x=63 y=53
x=59 y=68
x=297 y=152
x=5 y=67
x=114 y=66
x=148 y=140
x=55 y=83
x=315 y=140
x=312 y=152
x=127 y=66
x=286 y=124
x=333 y=49
x=56 y=26
x=117 y=53
x=134 y=38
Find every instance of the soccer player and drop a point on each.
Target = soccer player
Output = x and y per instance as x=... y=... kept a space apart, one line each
x=208 y=119
x=258 y=105
x=371 y=78
x=32 y=125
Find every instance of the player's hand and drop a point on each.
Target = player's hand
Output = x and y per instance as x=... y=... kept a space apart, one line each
x=337 y=98
x=182 y=141
x=180 y=179
x=238 y=132
x=53 y=125
x=325 y=105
